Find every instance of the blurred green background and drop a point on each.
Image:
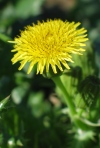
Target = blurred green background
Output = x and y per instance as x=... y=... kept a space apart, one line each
x=34 y=116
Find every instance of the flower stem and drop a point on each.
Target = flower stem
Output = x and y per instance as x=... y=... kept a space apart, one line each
x=69 y=103
x=67 y=98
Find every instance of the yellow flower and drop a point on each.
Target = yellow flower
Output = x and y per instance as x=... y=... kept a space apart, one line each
x=48 y=44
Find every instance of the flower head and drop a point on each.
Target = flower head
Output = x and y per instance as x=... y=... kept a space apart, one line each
x=48 y=44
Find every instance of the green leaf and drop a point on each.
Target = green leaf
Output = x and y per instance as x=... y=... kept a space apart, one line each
x=4 y=37
x=3 y=103
x=19 y=92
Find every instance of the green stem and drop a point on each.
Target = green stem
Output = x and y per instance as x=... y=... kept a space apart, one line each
x=67 y=98
x=69 y=103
